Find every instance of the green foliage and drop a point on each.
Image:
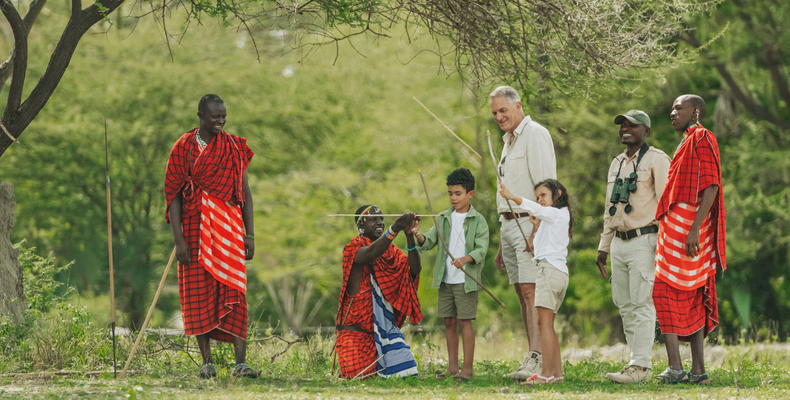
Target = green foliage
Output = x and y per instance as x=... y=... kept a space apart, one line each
x=41 y=286
x=54 y=334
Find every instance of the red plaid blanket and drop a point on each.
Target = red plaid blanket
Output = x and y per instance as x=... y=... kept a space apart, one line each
x=695 y=166
x=206 y=304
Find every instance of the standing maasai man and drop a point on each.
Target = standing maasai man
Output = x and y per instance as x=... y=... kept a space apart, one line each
x=378 y=292
x=690 y=242
x=209 y=206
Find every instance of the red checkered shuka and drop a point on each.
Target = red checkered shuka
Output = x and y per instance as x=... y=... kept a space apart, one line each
x=222 y=242
x=672 y=264
x=684 y=312
x=356 y=350
x=695 y=166
x=207 y=305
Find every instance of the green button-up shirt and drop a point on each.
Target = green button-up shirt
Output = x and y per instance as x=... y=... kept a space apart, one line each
x=476 y=236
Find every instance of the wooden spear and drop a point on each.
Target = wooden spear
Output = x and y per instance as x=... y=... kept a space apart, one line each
x=148 y=316
x=499 y=180
x=109 y=246
x=447 y=250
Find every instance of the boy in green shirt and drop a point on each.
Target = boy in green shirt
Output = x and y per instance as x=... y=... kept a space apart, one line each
x=466 y=233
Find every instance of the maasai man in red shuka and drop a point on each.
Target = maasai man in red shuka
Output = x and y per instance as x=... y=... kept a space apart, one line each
x=690 y=242
x=209 y=206
x=397 y=276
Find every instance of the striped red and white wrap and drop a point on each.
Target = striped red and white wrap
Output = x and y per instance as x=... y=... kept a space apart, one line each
x=221 y=250
x=673 y=266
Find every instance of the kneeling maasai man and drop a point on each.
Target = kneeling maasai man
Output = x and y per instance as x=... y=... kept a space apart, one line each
x=209 y=206
x=378 y=292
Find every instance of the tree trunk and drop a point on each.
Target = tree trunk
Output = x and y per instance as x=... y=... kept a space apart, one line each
x=12 y=297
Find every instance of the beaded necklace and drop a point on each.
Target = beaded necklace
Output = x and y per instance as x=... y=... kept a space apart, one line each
x=201 y=143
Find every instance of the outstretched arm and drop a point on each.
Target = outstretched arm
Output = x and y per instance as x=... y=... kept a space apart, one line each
x=415 y=266
x=366 y=255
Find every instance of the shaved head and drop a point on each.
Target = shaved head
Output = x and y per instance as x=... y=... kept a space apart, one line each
x=695 y=102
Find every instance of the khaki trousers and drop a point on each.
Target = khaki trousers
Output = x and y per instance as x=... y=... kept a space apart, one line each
x=633 y=273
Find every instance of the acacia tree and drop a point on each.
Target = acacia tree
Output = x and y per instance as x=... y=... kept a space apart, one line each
x=566 y=42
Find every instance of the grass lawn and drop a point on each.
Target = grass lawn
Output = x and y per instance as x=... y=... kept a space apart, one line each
x=737 y=372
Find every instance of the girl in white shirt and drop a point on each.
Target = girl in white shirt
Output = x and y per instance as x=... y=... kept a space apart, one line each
x=554 y=230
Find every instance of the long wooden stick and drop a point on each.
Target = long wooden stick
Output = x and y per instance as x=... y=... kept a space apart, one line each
x=109 y=247
x=447 y=250
x=448 y=128
x=148 y=316
x=499 y=180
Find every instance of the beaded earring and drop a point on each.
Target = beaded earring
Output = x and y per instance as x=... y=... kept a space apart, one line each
x=696 y=113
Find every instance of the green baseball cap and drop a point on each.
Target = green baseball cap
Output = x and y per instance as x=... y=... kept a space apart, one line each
x=635 y=116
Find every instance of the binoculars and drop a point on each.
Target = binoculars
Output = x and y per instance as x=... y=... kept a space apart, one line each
x=621 y=191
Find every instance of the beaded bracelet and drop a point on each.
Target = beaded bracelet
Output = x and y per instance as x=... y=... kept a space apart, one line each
x=411 y=248
x=389 y=234
x=249 y=236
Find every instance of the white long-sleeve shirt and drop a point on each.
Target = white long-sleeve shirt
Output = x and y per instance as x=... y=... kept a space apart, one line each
x=552 y=239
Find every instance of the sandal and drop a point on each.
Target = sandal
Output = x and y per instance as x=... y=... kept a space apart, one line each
x=245 y=371
x=461 y=378
x=701 y=379
x=208 y=371
x=444 y=374
x=533 y=380
x=673 y=376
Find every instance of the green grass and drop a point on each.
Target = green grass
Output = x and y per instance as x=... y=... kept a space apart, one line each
x=165 y=370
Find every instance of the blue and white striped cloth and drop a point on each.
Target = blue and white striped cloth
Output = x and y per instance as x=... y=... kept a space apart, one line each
x=395 y=358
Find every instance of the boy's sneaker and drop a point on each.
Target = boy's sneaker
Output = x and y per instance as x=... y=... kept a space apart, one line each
x=631 y=374
x=533 y=364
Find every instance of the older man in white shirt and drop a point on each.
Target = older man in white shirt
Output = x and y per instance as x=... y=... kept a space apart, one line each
x=527 y=158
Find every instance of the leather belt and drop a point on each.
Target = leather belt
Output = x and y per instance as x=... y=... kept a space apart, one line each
x=628 y=235
x=510 y=215
x=352 y=328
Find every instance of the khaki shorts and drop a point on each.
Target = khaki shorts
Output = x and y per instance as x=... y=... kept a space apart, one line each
x=550 y=287
x=518 y=263
x=455 y=303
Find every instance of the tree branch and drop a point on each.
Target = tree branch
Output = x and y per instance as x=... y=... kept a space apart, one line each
x=19 y=63
x=30 y=18
x=738 y=93
x=17 y=117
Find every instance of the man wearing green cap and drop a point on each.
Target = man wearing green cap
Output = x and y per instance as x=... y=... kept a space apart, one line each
x=636 y=180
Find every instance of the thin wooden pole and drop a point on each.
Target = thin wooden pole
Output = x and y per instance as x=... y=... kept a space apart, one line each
x=447 y=250
x=479 y=157
x=148 y=316
x=109 y=248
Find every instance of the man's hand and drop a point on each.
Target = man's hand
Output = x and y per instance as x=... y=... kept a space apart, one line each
x=692 y=242
x=531 y=243
x=403 y=222
x=601 y=261
x=499 y=261
x=249 y=248
x=182 y=251
x=414 y=229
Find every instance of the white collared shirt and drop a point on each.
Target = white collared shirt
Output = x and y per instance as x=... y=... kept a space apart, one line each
x=552 y=238
x=529 y=160
x=457 y=247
